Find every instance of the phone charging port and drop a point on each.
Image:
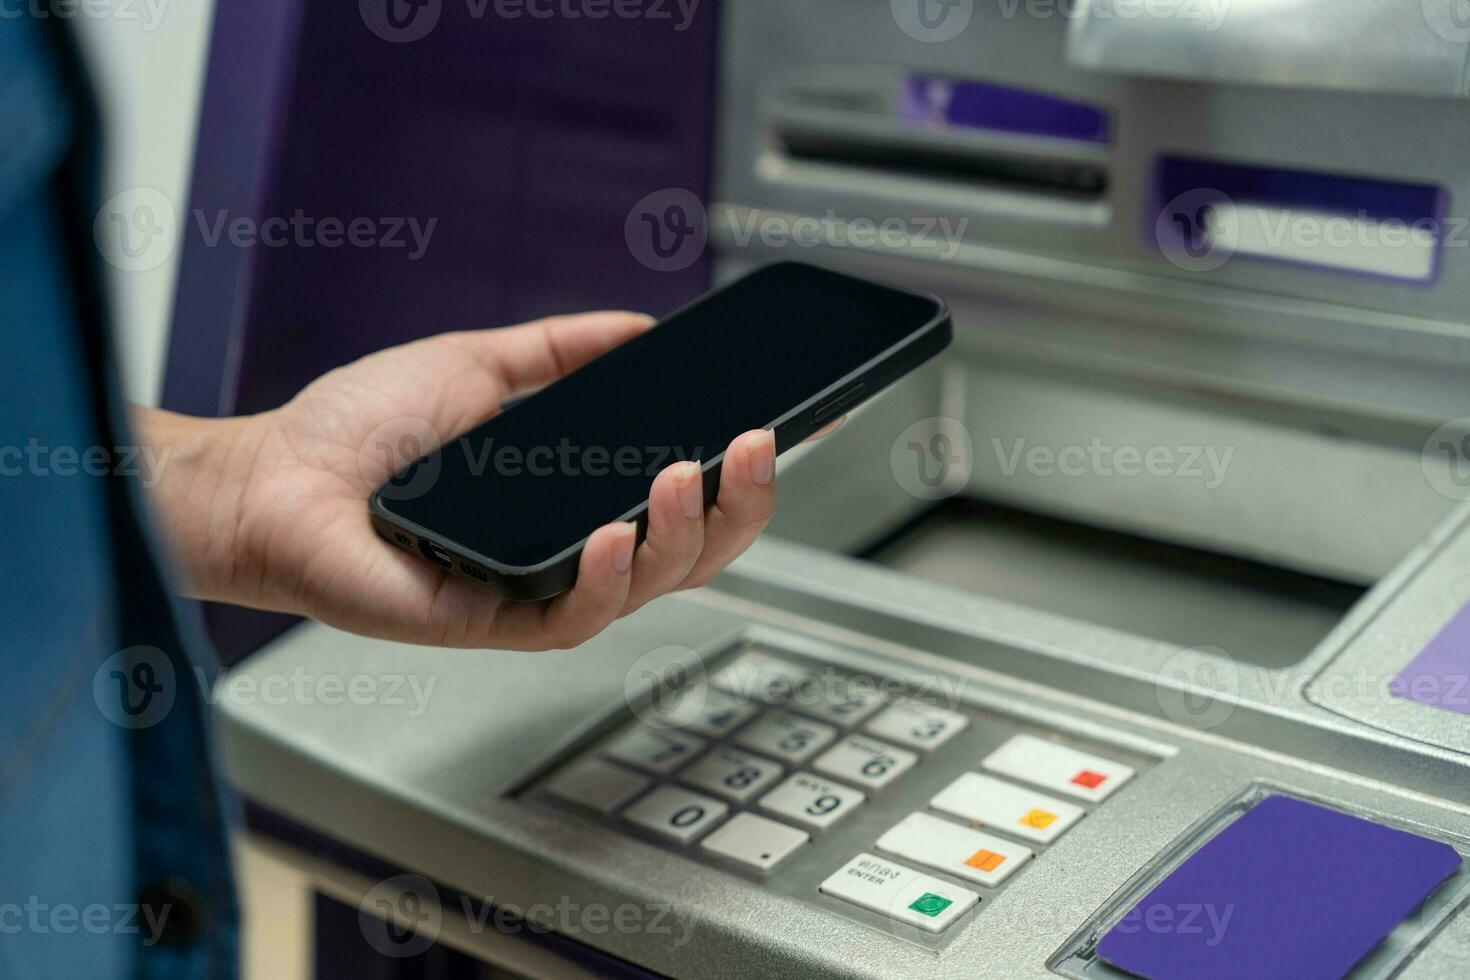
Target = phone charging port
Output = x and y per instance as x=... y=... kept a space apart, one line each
x=435 y=554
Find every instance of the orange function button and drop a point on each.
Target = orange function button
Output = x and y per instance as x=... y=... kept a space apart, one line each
x=985 y=860
x=960 y=851
x=1054 y=766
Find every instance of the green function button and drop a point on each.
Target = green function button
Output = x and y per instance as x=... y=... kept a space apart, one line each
x=930 y=904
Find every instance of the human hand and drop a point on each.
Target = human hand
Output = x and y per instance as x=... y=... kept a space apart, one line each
x=271 y=510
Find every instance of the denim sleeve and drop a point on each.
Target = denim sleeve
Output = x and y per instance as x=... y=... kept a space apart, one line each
x=112 y=826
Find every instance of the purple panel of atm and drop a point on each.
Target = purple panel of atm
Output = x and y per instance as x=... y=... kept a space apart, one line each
x=1289 y=891
x=1440 y=674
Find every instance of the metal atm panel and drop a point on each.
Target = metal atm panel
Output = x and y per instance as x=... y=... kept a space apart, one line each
x=1074 y=319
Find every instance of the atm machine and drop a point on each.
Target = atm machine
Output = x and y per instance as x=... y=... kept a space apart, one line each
x=1136 y=627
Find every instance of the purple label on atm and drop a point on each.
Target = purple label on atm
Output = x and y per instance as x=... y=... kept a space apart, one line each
x=1440 y=674
x=1001 y=108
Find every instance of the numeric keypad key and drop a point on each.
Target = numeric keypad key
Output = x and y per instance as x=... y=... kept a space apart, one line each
x=676 y=813
x=918 y=725
x=787 y=736
x=732 y=774
x=811 y=800
x=865 y=761
x=653 y=749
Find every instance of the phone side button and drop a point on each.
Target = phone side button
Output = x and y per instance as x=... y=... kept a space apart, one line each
x=838 y=402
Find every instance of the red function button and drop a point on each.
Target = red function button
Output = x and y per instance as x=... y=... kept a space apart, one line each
x=1051 y=765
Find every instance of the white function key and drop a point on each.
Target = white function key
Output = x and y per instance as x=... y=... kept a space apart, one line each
x=810 y=800
x=899 y=893
x=865 y=761
x=596 y=784
x=755 y=841
x=702 y=710
x=1013 y=809
x=920 y=725
x=755 y=675
x=676 y=813
x=733 y=774
x=982 y=858
x=838 y=699
x=786 y=736
x=654 y=749
x=1058 y=767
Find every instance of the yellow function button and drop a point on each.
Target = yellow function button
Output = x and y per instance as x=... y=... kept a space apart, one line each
x=1040 y=819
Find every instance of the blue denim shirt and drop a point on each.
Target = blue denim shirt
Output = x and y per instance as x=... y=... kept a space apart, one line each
x=112 y=826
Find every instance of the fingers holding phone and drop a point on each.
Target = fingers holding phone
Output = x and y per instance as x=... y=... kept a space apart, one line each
x=743 y=507
x=676 y=533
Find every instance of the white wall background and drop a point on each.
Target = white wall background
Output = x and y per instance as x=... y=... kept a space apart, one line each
x=147 y=60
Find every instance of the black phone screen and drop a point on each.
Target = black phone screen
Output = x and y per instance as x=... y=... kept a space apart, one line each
x=541 y=476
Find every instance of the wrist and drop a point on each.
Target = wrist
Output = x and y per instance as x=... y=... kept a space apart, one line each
x=203 y=471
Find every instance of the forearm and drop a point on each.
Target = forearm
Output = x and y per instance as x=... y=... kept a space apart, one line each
x=203 y=469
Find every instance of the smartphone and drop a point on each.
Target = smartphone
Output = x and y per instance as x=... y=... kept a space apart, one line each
x=788 y=347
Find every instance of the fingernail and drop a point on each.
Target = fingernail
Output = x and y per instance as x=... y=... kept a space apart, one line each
x=763 y=459
x=623 y=551
x=690 y=489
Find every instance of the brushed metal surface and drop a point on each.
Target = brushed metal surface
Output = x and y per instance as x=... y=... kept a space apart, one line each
x=429 y=793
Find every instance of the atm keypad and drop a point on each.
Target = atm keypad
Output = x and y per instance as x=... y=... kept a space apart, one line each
x=779 y=754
